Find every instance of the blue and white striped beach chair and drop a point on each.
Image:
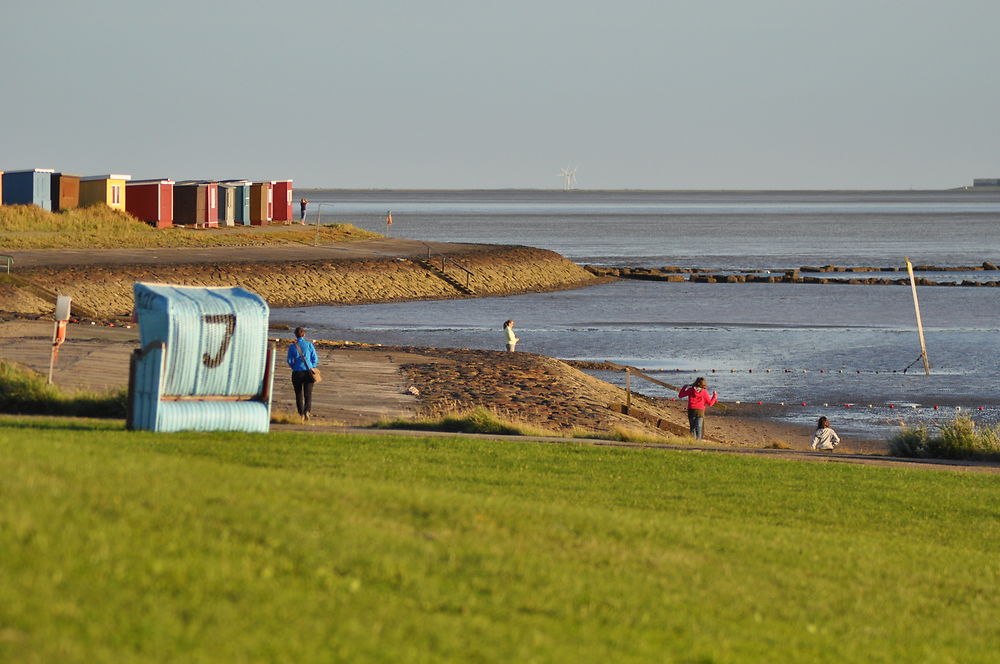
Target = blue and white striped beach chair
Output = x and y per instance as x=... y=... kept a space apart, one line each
x=204 y=362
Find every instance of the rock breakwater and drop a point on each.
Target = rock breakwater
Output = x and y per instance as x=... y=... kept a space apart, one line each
x=847 y=275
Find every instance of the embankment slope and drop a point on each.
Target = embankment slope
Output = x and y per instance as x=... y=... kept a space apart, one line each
x=306 y=278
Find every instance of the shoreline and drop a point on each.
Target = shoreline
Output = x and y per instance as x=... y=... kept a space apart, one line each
x=387 y=270
x=368 y=382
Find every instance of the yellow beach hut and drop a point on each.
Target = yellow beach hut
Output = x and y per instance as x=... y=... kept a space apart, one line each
x=107 y=189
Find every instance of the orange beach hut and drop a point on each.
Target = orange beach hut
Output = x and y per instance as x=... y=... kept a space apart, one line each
x=65 y=191
x=261 y=203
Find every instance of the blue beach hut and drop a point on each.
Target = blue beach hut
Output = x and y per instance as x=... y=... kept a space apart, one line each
x=241 y=202
x=30 y=187
x=204 y=362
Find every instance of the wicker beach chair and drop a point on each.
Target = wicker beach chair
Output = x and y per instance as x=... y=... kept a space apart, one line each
x=204 y=362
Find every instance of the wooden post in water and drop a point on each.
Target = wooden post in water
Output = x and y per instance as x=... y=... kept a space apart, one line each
x=916 y=309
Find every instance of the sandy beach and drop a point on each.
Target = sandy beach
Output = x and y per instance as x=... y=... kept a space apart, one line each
x=365 y=383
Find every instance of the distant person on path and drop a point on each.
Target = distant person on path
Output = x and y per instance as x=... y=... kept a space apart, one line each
x=508 y=328
x=301 y=358
x=825 y=437
x=303 y=203
x=698 y=400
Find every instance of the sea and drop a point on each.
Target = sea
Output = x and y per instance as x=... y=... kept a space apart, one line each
x=796 y=351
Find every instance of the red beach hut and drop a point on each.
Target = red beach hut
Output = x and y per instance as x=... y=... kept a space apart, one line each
x=151 y=201
x=282 y=201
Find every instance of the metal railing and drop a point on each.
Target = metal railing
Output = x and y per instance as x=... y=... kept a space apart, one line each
x=445 y=260
x=9 y=260
x=632 y=371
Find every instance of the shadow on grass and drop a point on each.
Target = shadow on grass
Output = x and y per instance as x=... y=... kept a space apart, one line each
x=54 y=422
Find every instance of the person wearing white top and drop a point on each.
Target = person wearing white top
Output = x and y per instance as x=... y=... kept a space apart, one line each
x=825 y=437
x=508 y=327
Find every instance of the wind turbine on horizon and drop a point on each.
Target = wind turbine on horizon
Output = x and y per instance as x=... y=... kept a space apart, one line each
x=569 y=178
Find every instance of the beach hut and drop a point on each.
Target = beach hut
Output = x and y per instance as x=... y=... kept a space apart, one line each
x=28 y=187
x=282 y=209
x=242 y=201
x=212 y=207
x=204 y=362
x=151 y=201
x=65 y=191
x=107 y=189
x=261 y=202
x=196 y=202
x=227 y=204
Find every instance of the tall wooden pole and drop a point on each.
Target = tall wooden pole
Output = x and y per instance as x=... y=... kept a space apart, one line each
x=319 y=213
x=628 y=387
x=920 y=324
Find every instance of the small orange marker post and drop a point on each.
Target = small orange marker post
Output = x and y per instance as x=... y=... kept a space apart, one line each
x=61 y=317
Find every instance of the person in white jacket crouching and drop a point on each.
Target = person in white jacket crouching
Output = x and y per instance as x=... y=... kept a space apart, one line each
x=825 y=437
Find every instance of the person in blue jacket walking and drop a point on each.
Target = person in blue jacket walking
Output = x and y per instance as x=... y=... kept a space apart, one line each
x=301 y=358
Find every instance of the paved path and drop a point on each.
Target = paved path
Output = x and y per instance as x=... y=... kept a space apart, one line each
x=284 y=253
x=359 y=387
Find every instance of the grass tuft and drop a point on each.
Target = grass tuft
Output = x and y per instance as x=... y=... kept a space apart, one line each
x=626 y=434
x=475 y=420
x=24 y=391
x=284 y=417
x=778 y=445
x=957 y=439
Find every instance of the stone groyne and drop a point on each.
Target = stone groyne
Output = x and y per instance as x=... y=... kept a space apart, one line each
x=850 y=275
x=105 y=291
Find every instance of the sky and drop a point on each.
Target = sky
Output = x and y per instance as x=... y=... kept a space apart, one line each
x=442 y=94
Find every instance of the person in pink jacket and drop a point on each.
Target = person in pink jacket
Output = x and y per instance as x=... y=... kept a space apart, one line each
x=698 y=400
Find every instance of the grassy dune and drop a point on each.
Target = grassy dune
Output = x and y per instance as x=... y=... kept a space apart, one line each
x=100 y=227
x=130 y=547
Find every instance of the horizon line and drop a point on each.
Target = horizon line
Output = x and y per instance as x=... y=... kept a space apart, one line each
x=644 y=190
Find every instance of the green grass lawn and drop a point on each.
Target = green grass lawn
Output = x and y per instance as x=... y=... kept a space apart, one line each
x=121 y=547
